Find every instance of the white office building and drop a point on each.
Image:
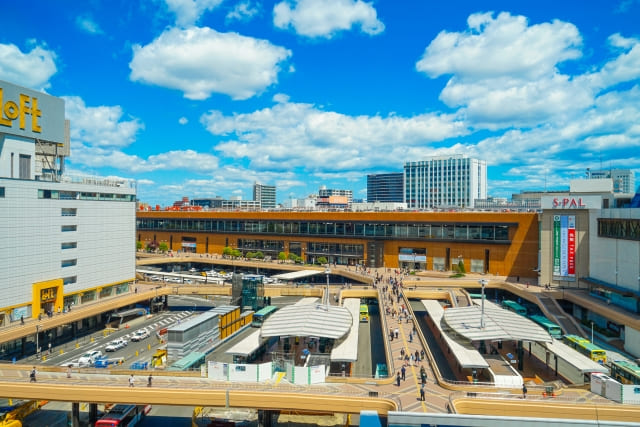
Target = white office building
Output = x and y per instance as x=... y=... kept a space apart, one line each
x=445 y=182
x=66 y=241
x=624 y=180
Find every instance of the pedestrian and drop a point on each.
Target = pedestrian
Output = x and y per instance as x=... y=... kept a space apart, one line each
x=403 y=371
x=396 y=332
x=524 y=391
x=22 y=320
x=417 y=356
x=402 y=353
x=410 y=337
x=422 y=393
x=411 y=358
x=32 y=375
x=422 y=354
x=131 y=380
x=50 y=350
x=398 y=379
x=149 y=381
x=69 y=371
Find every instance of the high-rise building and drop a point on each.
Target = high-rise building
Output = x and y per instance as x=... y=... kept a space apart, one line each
x=66 y=240
x=385 y=187
x=624 y=180
x=447 y=181
x=265 y=194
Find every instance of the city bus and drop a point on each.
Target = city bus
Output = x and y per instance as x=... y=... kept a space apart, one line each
x=552 y=329
x=625 y=372
x=261 y=315
x=123 y=416
x=364 y=313
x=515 y=307
x=585 y=347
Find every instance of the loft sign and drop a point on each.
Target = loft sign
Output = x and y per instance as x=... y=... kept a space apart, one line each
x=568 y=203
x=11 y=110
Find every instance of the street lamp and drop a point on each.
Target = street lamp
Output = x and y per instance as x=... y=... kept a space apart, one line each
x=327 y=271
x=37 y=339
x=483 y=283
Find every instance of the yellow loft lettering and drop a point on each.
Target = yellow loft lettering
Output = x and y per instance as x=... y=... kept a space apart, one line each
x=10 y=111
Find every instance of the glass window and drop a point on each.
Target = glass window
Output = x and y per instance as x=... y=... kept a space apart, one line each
x=1 y=191
x=69 y=280
x=69 y=245
x=69 y=211
x=66 y=228
x=68 y=263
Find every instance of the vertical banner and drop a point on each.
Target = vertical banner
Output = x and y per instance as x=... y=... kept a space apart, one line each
x=564 y=247
x=556 y=245
x=564 y=239
x=571 y=252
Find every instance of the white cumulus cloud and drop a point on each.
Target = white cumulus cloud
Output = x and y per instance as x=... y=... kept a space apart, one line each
x=101 y=126
x=202 y=61
x=243 y=11
x=502 y=46
x=325 y=18
x=291 y=135
x=31 y=69
x=504 y=71
x=188 y=12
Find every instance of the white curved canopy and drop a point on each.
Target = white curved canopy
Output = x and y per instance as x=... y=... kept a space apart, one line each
x=317 y=320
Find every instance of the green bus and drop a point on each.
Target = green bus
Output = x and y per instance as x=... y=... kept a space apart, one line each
x=261 y=315
x=514 y=306
x=552 y=329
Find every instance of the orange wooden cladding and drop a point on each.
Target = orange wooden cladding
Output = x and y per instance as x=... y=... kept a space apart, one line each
x=519 y=258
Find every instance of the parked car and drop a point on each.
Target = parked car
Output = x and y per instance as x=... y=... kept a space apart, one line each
x=116 y=345
x=89 y=358
x=140 y=334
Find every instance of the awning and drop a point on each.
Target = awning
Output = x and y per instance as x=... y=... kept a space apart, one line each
x=297 y=274
x=131 y=312
x=247 y=345
x=347 y=349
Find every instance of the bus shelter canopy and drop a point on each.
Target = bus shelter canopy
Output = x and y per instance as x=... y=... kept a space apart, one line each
x=317 y=320
x=499 y=324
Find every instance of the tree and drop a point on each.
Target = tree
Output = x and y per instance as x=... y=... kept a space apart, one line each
x=226 y=251
x=236 y=253
x=139 y=245
x=259 y=255
x=461 y=267
x=321 y=260
x=163 y=247
x=282 y=257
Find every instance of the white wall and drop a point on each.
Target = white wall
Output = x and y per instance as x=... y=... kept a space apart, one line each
x=632 y=340
x=16 y=145
x=610 y=255
x=31 y=234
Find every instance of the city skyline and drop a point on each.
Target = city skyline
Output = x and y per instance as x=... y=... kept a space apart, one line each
x=204 y=98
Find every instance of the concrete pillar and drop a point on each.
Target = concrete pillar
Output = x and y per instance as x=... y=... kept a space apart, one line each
x=265 y=418
x=93 y=413
x=520 y=356
x=75 y=414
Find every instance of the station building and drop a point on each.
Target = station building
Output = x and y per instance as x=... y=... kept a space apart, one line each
x=486 y=242
x=66 y=240
x=590 y=248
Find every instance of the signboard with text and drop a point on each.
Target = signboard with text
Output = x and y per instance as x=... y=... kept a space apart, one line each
x=31 y=114
x=564 y=247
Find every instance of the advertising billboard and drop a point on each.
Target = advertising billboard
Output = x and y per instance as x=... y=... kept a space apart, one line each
x=31 y=114
x=564 y=247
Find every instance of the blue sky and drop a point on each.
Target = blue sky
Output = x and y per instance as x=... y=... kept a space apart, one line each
x=203 y=98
